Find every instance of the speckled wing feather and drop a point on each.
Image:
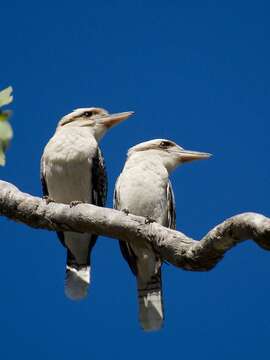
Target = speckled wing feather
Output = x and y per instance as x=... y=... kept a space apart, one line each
x=43 y=180
x=171 y=207
x=99 y=185
x=99 y=180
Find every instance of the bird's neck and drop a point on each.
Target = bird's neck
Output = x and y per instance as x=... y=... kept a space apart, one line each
x=149 y=162
x=84 y=131
x=71 y=143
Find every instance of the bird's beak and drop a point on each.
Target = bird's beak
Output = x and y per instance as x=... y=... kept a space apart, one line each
x=187 y=155
x=114 y=119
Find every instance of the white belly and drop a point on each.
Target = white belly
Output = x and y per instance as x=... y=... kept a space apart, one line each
x=69 y=182
x=143 y=194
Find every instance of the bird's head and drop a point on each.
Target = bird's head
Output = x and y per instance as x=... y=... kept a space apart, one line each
x=166 y=151
x=98 y=120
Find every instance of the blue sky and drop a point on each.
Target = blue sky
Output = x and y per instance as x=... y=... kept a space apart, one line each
x=196 y=72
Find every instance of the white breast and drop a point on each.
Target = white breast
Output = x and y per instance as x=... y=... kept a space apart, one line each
x=142 y=189
x=67 y=160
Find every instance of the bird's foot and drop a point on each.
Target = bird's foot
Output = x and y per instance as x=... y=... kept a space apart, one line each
x=47 y=199
x=148 y=220
x=125 y=211
x=75 y=203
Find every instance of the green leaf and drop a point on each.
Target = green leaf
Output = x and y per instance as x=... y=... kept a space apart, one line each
x=6 y=96
x=6 y=135
x=2 y=156
x=4 y=115
x=6 y=132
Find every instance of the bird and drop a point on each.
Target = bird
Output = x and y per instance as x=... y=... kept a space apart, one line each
x=143 y=188
x=73 y=171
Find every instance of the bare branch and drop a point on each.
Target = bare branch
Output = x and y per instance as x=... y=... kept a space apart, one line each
x=174 y=246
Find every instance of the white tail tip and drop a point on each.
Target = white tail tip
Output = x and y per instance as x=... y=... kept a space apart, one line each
x=77 y=282
x=151 y=312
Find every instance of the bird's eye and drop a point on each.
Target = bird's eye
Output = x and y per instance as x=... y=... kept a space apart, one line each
x=164 y=144
x=88 y=113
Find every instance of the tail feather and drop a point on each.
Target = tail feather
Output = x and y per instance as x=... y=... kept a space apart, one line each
x=78 y=267
x=150 y=303
x=77 y=282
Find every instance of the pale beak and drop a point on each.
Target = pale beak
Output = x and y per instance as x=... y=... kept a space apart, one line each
x=187 y=155
x=114 y=119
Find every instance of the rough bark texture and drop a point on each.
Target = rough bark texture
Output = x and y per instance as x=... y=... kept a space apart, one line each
x=174 y=246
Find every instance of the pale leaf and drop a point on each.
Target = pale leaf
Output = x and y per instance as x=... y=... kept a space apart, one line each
x=2 y=156
x=6 y=132
x=6 y=96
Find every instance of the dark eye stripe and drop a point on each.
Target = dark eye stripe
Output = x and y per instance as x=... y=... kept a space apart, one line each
x=88 y=113
x=165 y=144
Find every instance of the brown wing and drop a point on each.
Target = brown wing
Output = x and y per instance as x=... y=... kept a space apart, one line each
x=171 y=207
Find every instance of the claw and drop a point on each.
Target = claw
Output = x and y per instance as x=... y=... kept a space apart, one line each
x=148 y=220
x=75 y=203
x=47 y=199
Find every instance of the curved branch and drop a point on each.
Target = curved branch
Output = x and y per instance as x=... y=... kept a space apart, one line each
x=173 y=246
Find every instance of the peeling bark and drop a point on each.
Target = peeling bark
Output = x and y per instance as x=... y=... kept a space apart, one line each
x=173 y=246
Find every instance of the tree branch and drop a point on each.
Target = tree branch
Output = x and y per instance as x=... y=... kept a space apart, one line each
x=173 y=246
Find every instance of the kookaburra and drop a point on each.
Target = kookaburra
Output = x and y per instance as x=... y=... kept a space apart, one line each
x=73 y=170
x=143 y=188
